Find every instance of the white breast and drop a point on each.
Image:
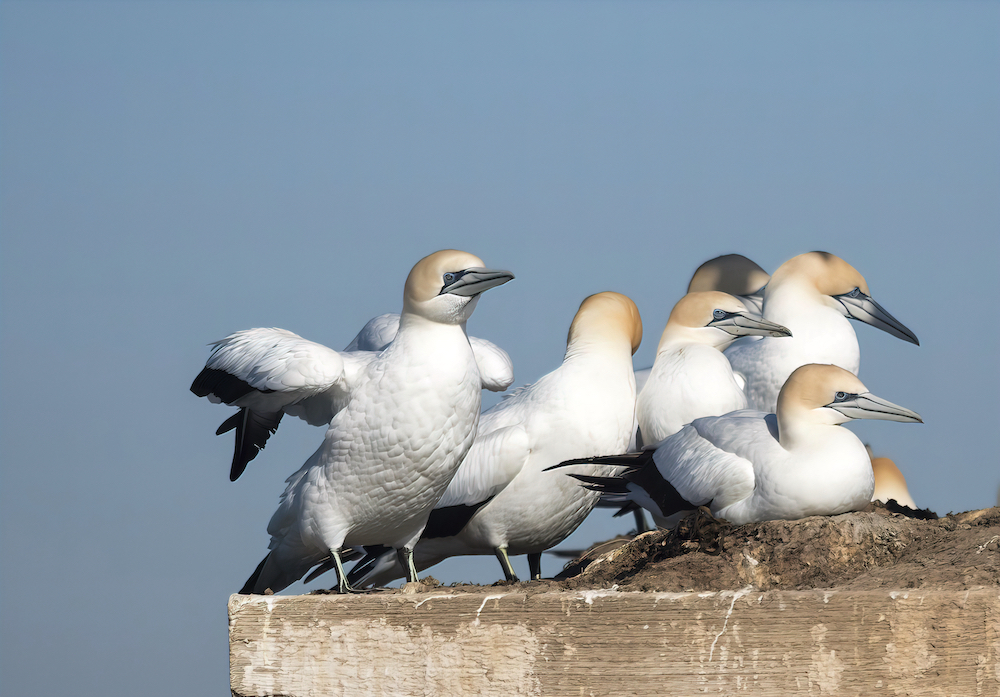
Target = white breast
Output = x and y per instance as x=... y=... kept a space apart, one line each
x=820 y=334
x=686 y=384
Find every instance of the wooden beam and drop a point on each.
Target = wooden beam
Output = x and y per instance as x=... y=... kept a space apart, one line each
x=510 y=641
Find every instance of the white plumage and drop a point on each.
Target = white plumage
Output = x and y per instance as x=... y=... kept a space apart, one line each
x=502 y=501
x=750 y=466
x=690 y=377
x=495 y=367
x=814 y=295
x=270 y=372
x=404 y=419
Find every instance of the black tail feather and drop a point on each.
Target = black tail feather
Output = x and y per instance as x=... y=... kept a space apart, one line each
x=604 y=485
x=363 y=567
x=640 y=471
x=633 y=460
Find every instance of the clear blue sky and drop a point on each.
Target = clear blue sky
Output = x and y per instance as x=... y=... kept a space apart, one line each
x=173 y=171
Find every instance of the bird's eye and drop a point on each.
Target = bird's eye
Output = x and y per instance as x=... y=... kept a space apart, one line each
x=840 y=396
x=855 y=293
x=719 y=314
x=449 y=277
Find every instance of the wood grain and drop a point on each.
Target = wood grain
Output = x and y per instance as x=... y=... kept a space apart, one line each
x=509 y=642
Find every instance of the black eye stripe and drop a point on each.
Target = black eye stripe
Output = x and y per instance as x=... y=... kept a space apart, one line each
x=719 y=315
x=854 y=293
x=450 y=277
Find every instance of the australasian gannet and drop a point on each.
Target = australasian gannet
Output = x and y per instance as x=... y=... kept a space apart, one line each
x=750 y=466
x=814 y=295
x=890 y=484
x=691 y=377
x=733 y=274
x=501 y=501
x=400 y=423
x=729 y=273
x=495 y=366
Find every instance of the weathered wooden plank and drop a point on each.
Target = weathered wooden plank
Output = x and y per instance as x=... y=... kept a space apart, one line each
x=508 y=642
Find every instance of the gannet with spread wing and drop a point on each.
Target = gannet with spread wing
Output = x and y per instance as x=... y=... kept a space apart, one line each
x=400 y=423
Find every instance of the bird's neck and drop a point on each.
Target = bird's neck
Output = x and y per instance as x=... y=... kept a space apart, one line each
x=418 y=335
x=799 y=428
x=601 y=349
x=675 y=338
x=815 y=324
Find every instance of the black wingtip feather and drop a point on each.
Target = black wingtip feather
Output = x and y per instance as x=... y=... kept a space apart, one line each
x=321 y=568
x=252 y=431
x=248 y=587
x=640 y=471
x=223 y=385
x=449 y=520
x=327 y=563
x=230 y=423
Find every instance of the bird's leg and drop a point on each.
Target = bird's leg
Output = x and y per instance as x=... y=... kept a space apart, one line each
x=405 y=556
x=504 y=560
x=640 y=521
x=342 y=586
x=535 y=566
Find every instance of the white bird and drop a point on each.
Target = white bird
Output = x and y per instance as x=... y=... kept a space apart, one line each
x=400 y=421
x=501 y=501
x=495 y=367
x=690 y=377
x=814 y=295
x=729 y=273
x=733 y=274
x=750 y=466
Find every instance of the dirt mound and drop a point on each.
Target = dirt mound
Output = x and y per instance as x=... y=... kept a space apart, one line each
x=872 y=549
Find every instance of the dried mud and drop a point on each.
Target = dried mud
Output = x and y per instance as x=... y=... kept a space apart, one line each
x=865 y=550
x=876 y=548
